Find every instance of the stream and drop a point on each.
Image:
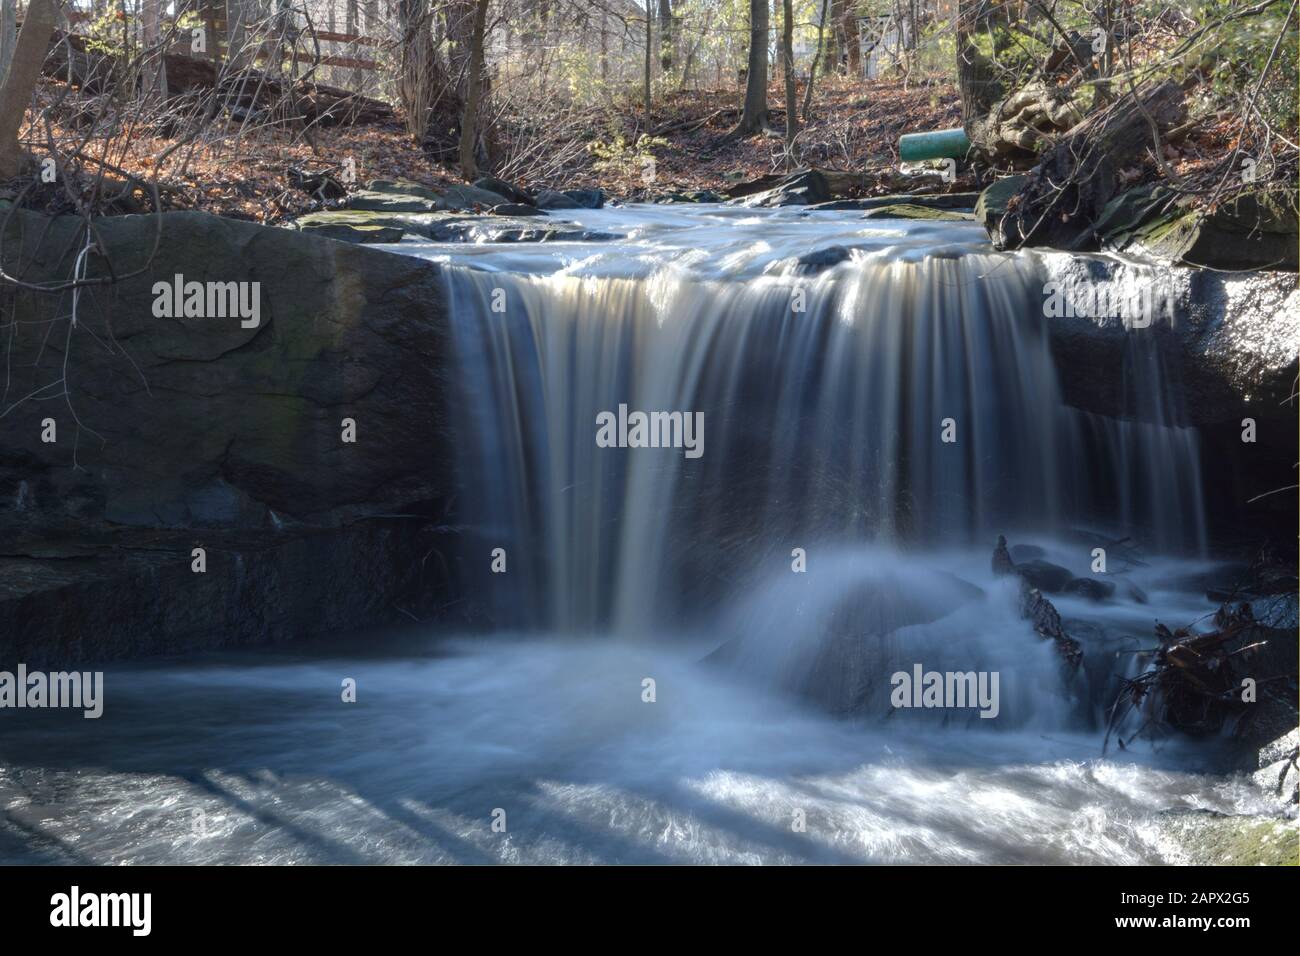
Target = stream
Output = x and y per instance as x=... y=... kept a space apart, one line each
x=691 y=658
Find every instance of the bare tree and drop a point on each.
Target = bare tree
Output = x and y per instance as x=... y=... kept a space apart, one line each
x=753 y=115
x=649 y=45
x=787 y=66
x=852 y=47
x=817 y=56
x=20 y=81
x=667 y=36
x=8 y=33
x=474 y=87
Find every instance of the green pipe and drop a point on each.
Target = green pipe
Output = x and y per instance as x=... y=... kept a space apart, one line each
x=936 y=144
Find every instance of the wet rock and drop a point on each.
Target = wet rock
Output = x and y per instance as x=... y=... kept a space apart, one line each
x=398 y=196
x=1045 y=576
x=1251 y=231
x=1091 y=588
x=402 y=187
x=1279 y=768
x=515 y=209
x=1206 y=839
x=959 y=201
x=992 y=205
x=1026 y=552
x=1227 y=341
x=1228 y=577
x=454 y=227
x=505 y=190
x=587 y=198
x=550 y=199
x=692 y=196
x=374 y=201
x=221 y=434
x=842 y=670
x=467 y=198
x=1002 y=563
x=914 y=211
x=211 y=421
x=800 y=189
x=821 y=259
x=108 y=592
x=347 y=226
x=1046 y=621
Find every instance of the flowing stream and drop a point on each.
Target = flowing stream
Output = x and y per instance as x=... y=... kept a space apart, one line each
x=689 y=657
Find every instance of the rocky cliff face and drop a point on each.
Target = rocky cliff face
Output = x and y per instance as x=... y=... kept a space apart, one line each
x=310 y=404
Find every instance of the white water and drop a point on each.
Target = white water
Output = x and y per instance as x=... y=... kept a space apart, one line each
x=247 y=760
x=821 y=433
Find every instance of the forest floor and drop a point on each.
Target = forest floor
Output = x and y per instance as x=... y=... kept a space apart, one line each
x=855 y=126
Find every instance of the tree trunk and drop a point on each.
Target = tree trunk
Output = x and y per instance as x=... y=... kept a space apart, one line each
x=419 y=78
x=604 y=47
x=753 y=116
x=835 y=41
x=353 y=28
x=155 y=70
x=667 y=36
x=979 y=90
x=20 y=81
x=787 y=57
x=460 y=35
x=474 y=86
x=8 y=34
x=852 y=48
x=817 y=56
x=649 y=46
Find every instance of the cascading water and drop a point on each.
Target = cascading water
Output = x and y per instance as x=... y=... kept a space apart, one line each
x=897 y=391
x=825 y=537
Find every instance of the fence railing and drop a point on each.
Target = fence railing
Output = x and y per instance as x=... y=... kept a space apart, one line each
x=219 y=45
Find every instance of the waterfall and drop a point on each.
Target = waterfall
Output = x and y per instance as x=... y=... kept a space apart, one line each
x=901 y=397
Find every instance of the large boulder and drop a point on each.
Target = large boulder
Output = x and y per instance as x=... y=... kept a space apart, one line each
x=406 y=196
x=228 y=431
x=232 y=421
x=505 y=190
x=1252 y=231
x=1228 y=340
x=587 y=198
x=550 y=199
x=806 y=188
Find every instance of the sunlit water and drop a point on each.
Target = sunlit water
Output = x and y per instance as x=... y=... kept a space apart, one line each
x=770 y=737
